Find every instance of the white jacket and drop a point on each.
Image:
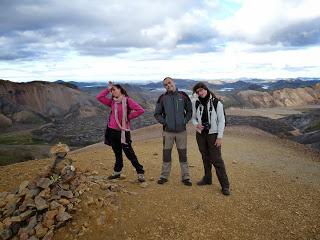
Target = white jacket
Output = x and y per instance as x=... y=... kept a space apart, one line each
x=217 y=120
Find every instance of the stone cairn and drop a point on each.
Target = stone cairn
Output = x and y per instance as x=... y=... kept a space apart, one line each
x=40 y=206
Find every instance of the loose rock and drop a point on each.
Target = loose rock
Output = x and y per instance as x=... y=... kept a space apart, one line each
x=40 y=203
x=63 y=216
x=44 y=183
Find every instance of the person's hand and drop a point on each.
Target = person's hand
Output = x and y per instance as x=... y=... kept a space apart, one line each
x=218 y=142
x=200 y=127
x=110 y=85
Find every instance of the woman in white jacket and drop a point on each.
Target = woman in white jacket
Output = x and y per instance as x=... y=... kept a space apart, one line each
x=209 y=120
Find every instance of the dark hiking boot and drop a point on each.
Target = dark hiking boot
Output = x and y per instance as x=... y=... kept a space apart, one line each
x=203 y=182
x=225 y=191
x=187 y=182
x=162 y=180
x=114 y=176
x=141 y=177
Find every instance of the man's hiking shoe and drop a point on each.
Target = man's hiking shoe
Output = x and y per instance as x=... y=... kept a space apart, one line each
x=162 y=180
x=187 y=182
x=203 y=182
x=225 y=191
x=141 y=177
x=114 y=176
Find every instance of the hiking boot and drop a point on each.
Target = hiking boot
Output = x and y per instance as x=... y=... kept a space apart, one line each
x=203 y=182
x=225 y=191
x=187 y=182
x=162 y=180
x=114 y=176
x=141 y=177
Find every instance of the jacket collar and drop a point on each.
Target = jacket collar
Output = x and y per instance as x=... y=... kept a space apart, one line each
x=211 y=97
x=171 y=93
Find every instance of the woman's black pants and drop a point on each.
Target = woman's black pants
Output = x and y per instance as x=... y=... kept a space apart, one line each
x=118 y=147
x=211 y=155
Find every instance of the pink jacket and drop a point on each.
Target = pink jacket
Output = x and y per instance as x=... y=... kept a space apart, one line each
x=135 y=109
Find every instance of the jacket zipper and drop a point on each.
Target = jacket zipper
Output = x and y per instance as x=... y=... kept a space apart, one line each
x=174 y=113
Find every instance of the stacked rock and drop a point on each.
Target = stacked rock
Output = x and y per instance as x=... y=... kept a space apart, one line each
x=39 y=206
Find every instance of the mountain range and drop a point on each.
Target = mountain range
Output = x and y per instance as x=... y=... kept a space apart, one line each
x=217 y=85
x=41 y=112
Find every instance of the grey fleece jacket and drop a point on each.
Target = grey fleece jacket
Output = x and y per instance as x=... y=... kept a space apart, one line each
x=173 y=111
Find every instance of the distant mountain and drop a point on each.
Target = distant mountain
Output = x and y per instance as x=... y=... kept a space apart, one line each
x=39 y=102
x=180 y=83
x=264 y=84
x=84 y=131
x=61 y=112
x=67 y=84
x=216 y=85
x=283 y=97
x=238 y=85
x=245 y=84
x=292 y=83
x=143 y=97
x=81 y=84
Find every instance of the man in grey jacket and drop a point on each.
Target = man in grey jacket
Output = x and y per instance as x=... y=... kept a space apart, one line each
x=173 y=111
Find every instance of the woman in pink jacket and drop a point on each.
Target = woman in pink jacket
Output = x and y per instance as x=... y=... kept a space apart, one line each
x=123 y=109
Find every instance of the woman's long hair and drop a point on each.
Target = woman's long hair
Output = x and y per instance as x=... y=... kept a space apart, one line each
x=204 y=86
x=122 y=90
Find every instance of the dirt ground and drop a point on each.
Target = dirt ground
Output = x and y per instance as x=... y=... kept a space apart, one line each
x=275 y=191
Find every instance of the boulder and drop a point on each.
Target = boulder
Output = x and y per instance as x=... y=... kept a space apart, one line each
x=23 y=186
x=54 y=205
x=64 y=193
x=6 y=234
x=49 y=235
x=44 y=183
x=29 y=202
x=64 y=201
x=25 y=215
x=40 y=203
x=32 y=192
x=45 y=193
x=41 y=230
x=63 y=216
x=49 y=218
x=30 y=227
x=10 y=208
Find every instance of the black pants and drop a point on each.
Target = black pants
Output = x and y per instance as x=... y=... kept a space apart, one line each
x=211 y=155
x=117 y=147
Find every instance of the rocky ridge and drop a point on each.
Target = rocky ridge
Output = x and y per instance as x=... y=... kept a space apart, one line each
x=283 y=97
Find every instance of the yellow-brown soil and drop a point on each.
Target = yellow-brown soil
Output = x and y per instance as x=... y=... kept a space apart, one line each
x=275 y=191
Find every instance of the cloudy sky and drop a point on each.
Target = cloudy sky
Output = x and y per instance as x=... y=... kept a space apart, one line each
x=147 y=40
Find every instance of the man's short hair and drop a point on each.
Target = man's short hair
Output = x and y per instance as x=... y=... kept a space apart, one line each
x=168 y=78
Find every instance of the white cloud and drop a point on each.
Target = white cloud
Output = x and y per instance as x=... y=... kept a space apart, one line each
x=100 y=27
x=144 y=40
x=190 y=27
x=257 y=21
x=223 y=65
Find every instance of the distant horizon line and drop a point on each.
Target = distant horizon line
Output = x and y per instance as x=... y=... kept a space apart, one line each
x=154 y=81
